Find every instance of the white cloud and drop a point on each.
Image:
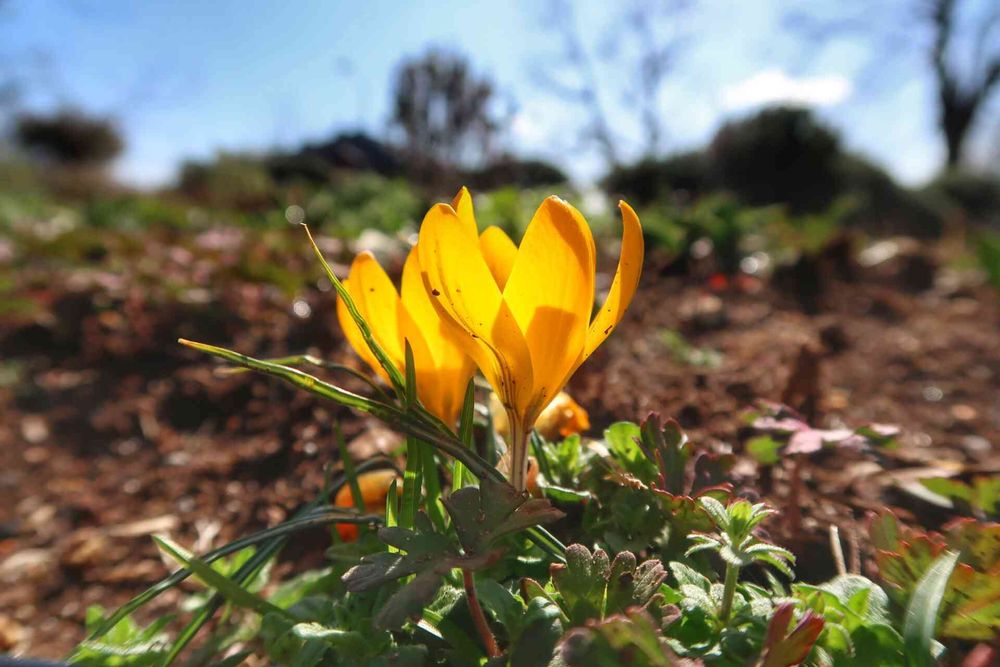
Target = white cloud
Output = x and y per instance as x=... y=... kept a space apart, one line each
x=774 y=86
x=534 y=123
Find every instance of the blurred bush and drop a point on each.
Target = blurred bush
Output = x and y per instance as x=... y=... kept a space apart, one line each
x=779 y=154
x=882 y=206
x=133 y=211
x=974 y=196
x=679 y=177
x=514 y=172
x=717 y=228
x=231 y=180
x=356 y=202
x=69 y=137
x=355 y=151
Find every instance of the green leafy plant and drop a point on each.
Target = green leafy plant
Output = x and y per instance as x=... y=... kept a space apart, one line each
x=665 y=566
x=970 y=607
x=736 y=544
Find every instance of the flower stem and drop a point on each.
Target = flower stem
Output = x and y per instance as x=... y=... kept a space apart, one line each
x=518 y=455
x=478 y=617
x=732 y=575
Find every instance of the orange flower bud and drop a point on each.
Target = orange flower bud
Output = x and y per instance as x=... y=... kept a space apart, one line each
x=374 y=486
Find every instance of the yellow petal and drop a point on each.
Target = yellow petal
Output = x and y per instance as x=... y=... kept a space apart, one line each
x=441 y=377
x=623 y=286
x=462 y=204
x=378 y=302
x=353 y=335
x=499 y=252
x=460 y=282
x=551 y=293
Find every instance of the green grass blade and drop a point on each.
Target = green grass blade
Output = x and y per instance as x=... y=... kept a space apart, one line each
x=308 y=359
x=432 y=484
x=466 y=423
x=921 y=617
x=350 y=470
x=538 y=448
x=416 y=425
x=232 y=591
x=412 y=477
x=392 y=506
x=310 y=517
x=299 y=378
x=548 y=543
x=244 y=574
x=383 y=359
x=412 y=484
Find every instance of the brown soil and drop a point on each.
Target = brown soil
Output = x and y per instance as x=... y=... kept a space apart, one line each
x=112 y=432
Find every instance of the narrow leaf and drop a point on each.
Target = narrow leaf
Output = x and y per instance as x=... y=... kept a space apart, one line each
x=922 y=610
x=232 y=591
x=383 y=359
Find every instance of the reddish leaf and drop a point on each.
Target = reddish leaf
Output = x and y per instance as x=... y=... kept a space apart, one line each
x=784 y=648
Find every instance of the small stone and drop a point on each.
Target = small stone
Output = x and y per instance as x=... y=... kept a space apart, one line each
x=86 y=548
x=34 y=428
x=976 y=444
x=12 y=634
x=964 y=413
x=26 y=564
x=35 y=455
x=836 y=399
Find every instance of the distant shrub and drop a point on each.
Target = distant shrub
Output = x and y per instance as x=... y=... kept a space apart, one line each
x=69 y=138
x=297 y=168
x=133 y=211
x=976 y=195
x=682 y=176
x=780 y=154
x=355 y=151
x=880 y=204
x=355 y=202
x=510 y=171
x=230 y=180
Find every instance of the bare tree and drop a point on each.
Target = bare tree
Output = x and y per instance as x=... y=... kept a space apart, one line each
x=444 y=110
x=642 y=42
x=581 y=85
x=960 y=41
x=962 y=95
x=655 y=57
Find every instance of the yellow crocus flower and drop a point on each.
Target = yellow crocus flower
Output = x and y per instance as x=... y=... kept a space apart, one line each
x=442 y=369
x=526 y=311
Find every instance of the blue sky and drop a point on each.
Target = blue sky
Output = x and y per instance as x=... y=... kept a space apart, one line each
x=186 y=78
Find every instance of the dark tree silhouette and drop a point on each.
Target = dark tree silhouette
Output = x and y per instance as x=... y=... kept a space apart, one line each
x=70 y=138
x=444 y=110
x=962 y=95
x=960 y=41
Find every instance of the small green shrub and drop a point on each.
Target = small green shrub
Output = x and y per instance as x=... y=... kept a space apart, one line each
x=779 y=154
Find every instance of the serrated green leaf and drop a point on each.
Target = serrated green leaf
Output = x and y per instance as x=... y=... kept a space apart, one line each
x=494 y=509
x=716 y=511
x=582 y=582
x=686 y=575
